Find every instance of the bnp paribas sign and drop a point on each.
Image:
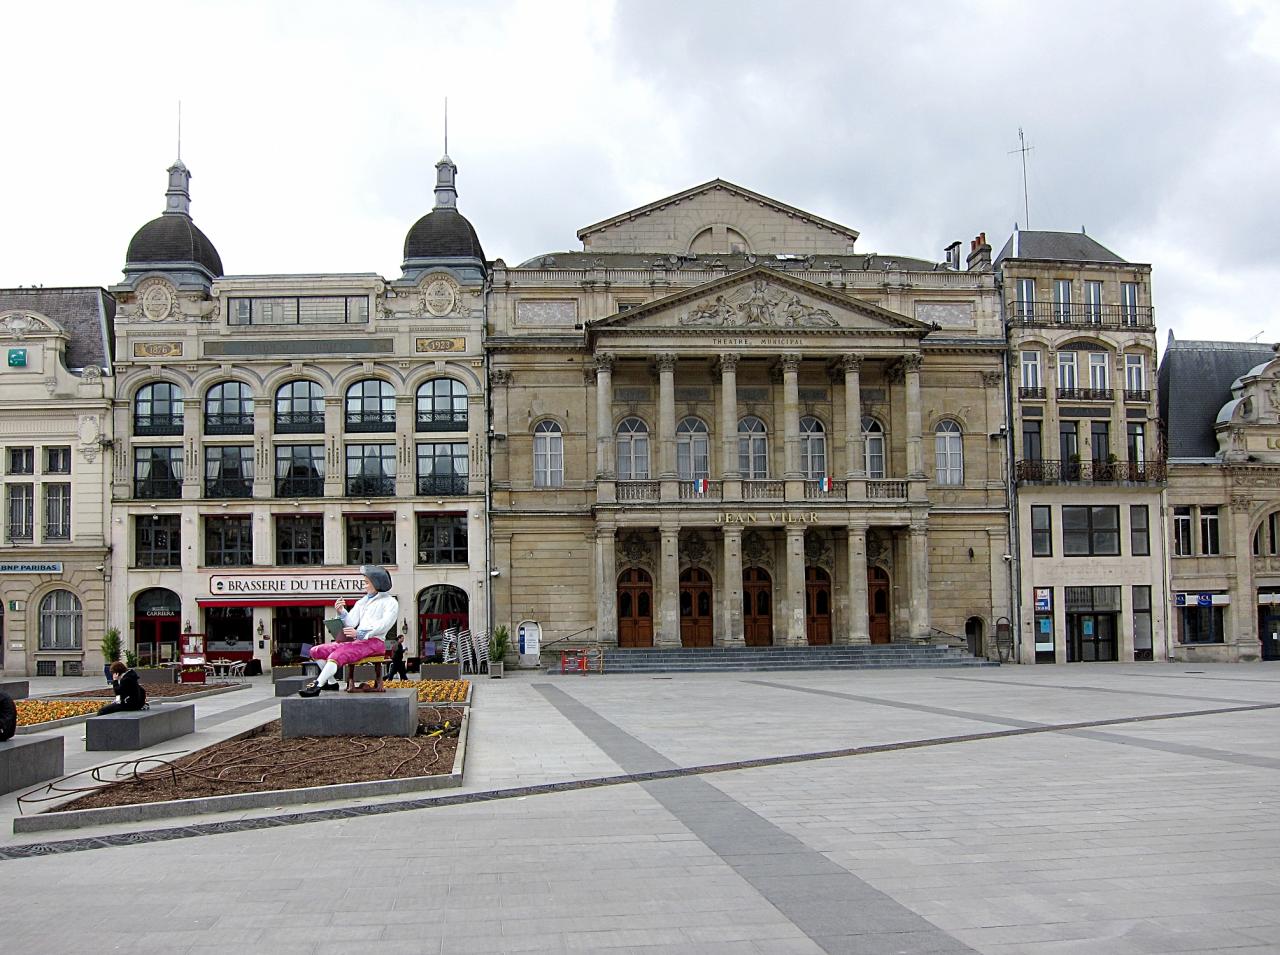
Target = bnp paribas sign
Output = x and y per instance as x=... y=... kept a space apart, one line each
x=285 y=585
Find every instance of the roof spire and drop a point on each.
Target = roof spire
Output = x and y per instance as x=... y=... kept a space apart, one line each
x=179 y=130
x=177 y=198
x=446 y=171
x=446 y=125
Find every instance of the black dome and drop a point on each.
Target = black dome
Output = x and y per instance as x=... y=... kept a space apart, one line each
x=173 y=238
x=442 y=233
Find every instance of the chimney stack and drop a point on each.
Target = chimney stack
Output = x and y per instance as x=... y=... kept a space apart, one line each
x=979 y=254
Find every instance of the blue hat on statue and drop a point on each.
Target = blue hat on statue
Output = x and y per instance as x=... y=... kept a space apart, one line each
x=378 y=576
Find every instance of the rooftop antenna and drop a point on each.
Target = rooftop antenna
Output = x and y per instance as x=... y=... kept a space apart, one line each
x=1254 y=338
x=1024 y=149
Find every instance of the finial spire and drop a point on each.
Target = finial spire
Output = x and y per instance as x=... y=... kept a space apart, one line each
x=446 y=125
x=179 y=130
x=446 y=171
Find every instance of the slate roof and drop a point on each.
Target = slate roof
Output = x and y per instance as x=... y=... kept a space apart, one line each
x=1062 y=246
x=1195 y=381
x=443 y=234
x=87 y=315
x=870 y=262
x=173 y=237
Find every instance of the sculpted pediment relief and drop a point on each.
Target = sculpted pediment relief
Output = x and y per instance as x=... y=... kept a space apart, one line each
x=762 y=305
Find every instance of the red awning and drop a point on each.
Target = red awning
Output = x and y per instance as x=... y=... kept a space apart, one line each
x=266 y=602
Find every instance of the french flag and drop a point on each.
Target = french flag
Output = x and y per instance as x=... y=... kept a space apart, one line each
x=825 y=484
x=700 y=486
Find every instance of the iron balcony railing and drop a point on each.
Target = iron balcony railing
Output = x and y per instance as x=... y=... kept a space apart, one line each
x=234 y=423
x=157 y=489
x=1082 y=315
x=228 y=487
x=1034 y=393
x=367 y=421
x=299 y=422
x=57 y=531
x=153 y=425
x=371 y=486
x=442 y=484
x=1137 y=394
x=1086 y=394
x=312 y=486
x=1089 y=472
x=441 y=421
x=19 y=532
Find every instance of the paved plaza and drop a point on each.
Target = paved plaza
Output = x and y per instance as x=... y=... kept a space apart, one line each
x=1086 y=809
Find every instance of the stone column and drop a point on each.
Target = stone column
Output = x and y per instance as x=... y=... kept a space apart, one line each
x=667 y=415
x=729 y=417
x=335 y=465
x=604 y=416
x=795 y=634
x=606 y=585
x=855 y=459
x=499 y=459
x=915 y=453
x=1242 y=615
x=791 y=415
x=732 y=587
x=668 y=634
x=919 y=549
x=859 y=621
x=192 y=452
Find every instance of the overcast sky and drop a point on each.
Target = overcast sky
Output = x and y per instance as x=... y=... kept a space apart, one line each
x=312 y=128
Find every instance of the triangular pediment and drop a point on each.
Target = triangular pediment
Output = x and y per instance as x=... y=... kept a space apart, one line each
x=761 y=299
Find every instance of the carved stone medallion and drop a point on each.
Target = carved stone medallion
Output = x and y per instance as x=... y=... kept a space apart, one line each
x=157 y=299
x=441 y=296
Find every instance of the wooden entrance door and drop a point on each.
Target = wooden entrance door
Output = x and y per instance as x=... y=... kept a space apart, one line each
x=695 y=608
x=878 y=605
x=817 y=606
x=635 y=609
x=757 y=607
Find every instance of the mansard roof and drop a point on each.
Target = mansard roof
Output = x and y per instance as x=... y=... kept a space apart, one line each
x=1058 y=246
x=86 y=315
x=1195 y=381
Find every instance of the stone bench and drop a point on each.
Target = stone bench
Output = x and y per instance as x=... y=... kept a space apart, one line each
x=138 y=729
x=25 y=760
x=390 y=713
x=290 y=685
x=16 y=689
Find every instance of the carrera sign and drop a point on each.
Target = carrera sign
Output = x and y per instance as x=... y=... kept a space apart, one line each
x=286 y=586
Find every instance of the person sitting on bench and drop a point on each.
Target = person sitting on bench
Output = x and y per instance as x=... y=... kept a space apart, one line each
x=8 y=717
x=366 y=626
x=129 y=692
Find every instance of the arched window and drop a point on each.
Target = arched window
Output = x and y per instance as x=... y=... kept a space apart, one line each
x=228 y=409
x=1266 y=539
x=299 y=408
x=371 y=406
x=813 y=449
x=753 y=448
x=948 y=453
x=60 y=621
x=157 y=409
x=633 y=450
x=548 y=455
x=873 y=448
x=692 y=458
x=442 y=405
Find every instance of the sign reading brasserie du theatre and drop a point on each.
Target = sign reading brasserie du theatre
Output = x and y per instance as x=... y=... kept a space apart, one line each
x=285 y=585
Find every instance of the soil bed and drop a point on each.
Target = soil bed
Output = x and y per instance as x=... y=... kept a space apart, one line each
x=262 y=761
x=154 y=691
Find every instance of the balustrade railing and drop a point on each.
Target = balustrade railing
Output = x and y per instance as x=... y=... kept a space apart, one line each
x=756 y=490
x=700 y=490
x=637 y=490
x=816 y=491
x=886 y=490
x=1089 y=472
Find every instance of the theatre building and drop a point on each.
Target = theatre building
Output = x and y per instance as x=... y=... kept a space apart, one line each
x=275 y=432
x=1220 y=402
x=720 y=424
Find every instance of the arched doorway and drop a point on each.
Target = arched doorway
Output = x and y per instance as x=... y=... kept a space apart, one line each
x=157 y=623
x=635 y=608
x=878 y=605
x=973 y=635
x=440 y=607
x=817 y=606
x=757 y=607
x=695 y=608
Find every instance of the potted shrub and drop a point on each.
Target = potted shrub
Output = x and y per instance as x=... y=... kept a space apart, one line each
x=110 y=650
x=499 y=644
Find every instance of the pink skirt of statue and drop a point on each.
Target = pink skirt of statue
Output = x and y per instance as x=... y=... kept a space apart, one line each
x=352 y=652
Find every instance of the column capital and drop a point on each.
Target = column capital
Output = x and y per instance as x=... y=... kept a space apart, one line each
x=795 y=530
x=789 y=363
x=731 y=531
x=603 y=361
x=912 y=363
x=666 y=362
x=499 y=377
x=992 y=379
x=728 y=362
x=851 y=364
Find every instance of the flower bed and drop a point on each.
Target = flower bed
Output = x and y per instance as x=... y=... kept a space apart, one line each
x=31 y=712
x=154 y=691
x=434 y=691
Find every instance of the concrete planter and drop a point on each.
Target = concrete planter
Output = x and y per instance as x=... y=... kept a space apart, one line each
x=438 y=671
x=157 y=674
x=495 y=669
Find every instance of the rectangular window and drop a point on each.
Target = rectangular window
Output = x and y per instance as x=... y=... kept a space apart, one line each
x=1093 y=301
x=299 y=470
x=1062 y=300
x=371 y=470
x=228 y=470
x=228 y=541
x=1031 y=369
x=57 y=460
x=1069 y=448
x=1041 y=531
x=1182 y=532
x=21 y=461
x=1129 y=302
x=1090 y=531
x=1100 y=443
x=1209 y=531
x=1139 y=531
x=371 y=540
x=1026 y=291
x=300 y=310
x=1202 y=624
x=1135 y=374
x=1142 y=643
x=300 y=540
x=1099 y=379
x=1136 y=446
x=442 y=539
x=442 y=468
x=1031 y=446
x=157 y=472
x=157 y=540
x=1068 y=379
x=57 y=512
x=19 y=513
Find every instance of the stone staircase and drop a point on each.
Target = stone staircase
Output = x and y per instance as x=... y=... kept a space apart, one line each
x=734 y=659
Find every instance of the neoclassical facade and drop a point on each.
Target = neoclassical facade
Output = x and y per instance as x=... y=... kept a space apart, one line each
x=718 y=424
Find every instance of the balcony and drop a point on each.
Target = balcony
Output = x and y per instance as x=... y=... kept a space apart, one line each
x=756 y=490
x=228 y=487
x=1089 y=472
x=702 y=490
x=308 y=486
x=237 y=423
x=371 y=486
x=156 y=425
x=1034 y=394
x=299 y=422
x=638 y=490
x=834 y=490
x=1137 y=394
x=1086 y=394
x=157 y=489
x=429 y=484
x=1081 y=315
x=441 y=421
x=886 y=490
x=371 y=421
